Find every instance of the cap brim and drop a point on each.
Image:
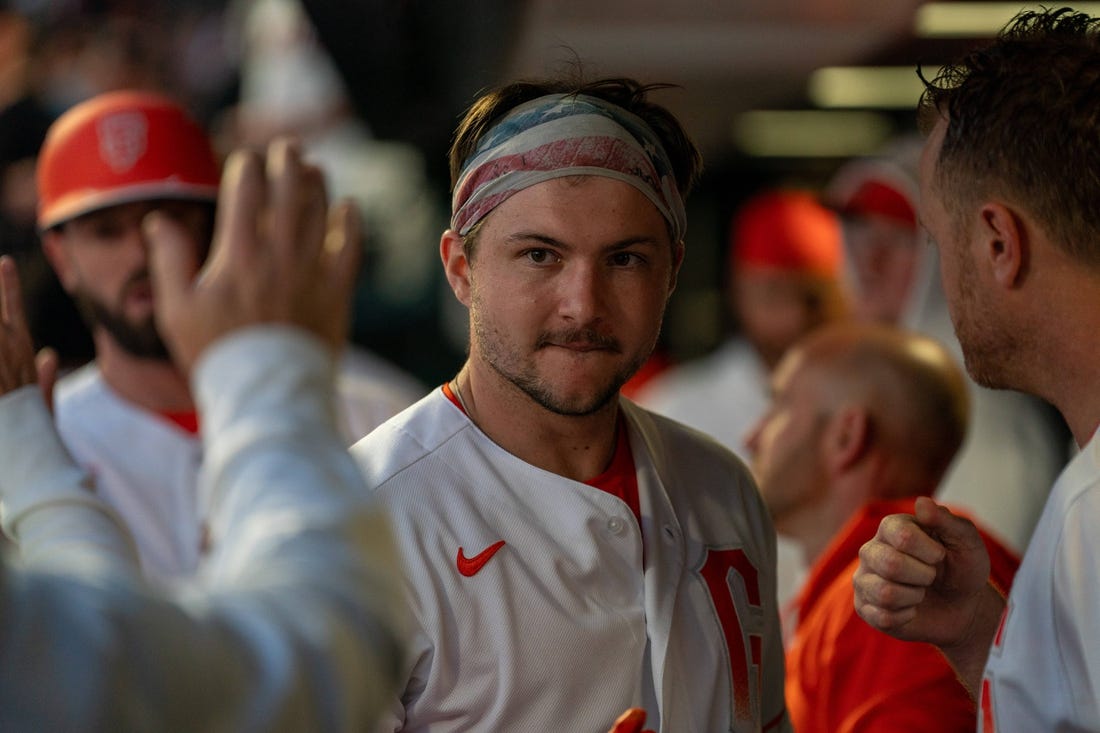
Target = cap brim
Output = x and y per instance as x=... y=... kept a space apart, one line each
x=80 y=203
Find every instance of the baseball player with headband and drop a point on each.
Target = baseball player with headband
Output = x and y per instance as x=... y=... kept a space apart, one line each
x=567 y=554
x=129 y=417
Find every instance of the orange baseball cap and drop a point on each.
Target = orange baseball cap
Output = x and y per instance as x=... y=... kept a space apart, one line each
x=787 y=230
x=880 y=198
x=120 y=147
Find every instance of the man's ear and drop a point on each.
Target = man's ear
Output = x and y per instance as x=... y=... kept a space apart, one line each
x=455 y=265
x=54 y=249
x=846 y=438
x=1005 y=241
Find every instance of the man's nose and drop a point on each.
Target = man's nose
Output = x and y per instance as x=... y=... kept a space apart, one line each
x=582 y=290
x=134 y=237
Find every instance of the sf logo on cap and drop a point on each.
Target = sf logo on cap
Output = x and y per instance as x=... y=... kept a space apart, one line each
x=122 y=139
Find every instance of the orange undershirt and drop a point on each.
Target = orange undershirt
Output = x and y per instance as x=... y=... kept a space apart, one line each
x=188 y=420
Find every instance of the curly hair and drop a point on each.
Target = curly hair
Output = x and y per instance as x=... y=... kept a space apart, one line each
x=1023 y=122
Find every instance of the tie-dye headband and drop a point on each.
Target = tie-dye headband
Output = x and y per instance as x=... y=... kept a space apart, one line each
x=565 y=135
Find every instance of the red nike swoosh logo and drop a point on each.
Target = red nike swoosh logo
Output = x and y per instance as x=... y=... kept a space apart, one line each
x=470 y=565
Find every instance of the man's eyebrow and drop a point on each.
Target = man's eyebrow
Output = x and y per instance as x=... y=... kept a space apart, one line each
x=633 y=241
x=521 y=237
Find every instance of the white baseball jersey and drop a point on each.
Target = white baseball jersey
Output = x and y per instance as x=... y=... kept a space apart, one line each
x=540 y=604
x=1043 y=672
x=724 y=394
x=146 y=467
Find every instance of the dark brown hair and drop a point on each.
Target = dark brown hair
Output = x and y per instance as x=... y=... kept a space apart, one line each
x=1023 y=122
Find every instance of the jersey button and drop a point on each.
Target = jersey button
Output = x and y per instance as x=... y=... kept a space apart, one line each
x=615 y=525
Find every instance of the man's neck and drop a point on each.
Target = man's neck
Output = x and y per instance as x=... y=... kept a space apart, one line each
x=1059 y=349
x=152 y=384
x=578 y=448
x=1073 y=387
x=812 y=537
x=815 y=525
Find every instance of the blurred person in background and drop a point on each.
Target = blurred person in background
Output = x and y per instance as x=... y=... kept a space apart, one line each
x=1016 y=444
x=294 y=625
x=784 y=280
x=129 y=417
x=24 y=118
x=23 y=123
x=290 y=86
x=864 y=419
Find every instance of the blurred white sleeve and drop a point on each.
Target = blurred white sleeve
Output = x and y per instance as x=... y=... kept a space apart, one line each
x=295 y=624
x=46 y=500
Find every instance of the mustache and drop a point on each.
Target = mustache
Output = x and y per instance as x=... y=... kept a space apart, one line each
x=139 y=277
x=588 y=337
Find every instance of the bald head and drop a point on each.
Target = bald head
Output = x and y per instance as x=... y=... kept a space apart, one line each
x=912 y=390
x=859 y=413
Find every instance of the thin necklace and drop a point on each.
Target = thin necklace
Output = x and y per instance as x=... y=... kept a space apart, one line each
x=458 y=394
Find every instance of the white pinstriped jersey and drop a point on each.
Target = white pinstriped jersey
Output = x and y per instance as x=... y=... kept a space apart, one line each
x=562 y=627
x=1043 y=672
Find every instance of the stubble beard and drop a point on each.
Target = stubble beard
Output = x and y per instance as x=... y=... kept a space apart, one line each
x=981 y=357
x=524 y=376
x=988 y=350
x=139 y=339
x=797 y=468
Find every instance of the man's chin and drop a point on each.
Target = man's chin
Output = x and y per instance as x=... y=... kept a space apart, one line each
x=570 y=402
x=140 y=341
x=580 y=408
x=135 y=334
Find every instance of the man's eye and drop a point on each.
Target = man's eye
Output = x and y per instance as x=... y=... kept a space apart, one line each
x=107 y=231
x=625 y=259
x=539 y=256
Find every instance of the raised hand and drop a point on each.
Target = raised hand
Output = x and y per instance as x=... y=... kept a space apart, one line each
x=925 y=577
x=274 y=233
x=16 y=350
x=19 y=366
